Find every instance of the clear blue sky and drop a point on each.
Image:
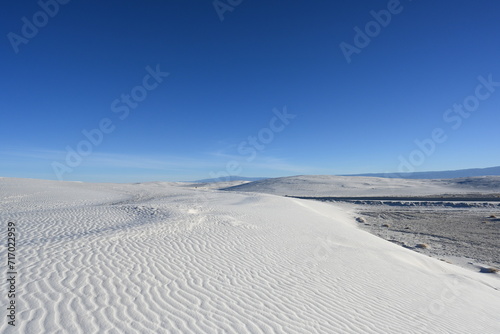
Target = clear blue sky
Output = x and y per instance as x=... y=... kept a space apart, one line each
x=225 y=78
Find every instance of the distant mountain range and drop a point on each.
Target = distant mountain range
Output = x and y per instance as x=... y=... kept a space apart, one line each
x=447 y=174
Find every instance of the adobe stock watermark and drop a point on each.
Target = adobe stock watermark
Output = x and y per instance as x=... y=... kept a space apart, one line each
x=30 y=28
x=455 y=117
x=438 y=305
x=95 y=137
x=254 y=144
x=223 y=6
x=373 y=28
x=323 y=250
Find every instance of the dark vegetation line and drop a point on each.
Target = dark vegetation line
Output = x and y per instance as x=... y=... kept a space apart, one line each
x=443 y=198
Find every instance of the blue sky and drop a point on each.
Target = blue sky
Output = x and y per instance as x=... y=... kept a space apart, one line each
x=273 y=71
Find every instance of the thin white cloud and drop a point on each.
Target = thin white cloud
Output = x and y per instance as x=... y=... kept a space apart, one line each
x=111 y=160
x=264 y=162
x=211 y=162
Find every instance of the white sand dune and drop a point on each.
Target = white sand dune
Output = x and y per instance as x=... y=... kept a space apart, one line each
x=330 y=185
x=161 y=258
